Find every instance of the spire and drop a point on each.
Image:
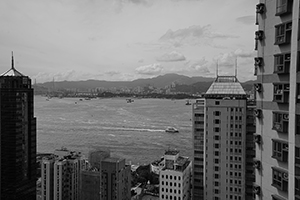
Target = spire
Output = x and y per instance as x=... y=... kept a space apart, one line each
x=12 y=60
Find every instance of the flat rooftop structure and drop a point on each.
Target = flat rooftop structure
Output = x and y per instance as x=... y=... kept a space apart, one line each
x=113 y=160
x=226 y=86
x=171 y=152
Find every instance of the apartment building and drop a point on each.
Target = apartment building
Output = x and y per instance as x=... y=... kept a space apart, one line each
x=175 y=177
x=60 y=175
x=223 y=127
x=277 y=94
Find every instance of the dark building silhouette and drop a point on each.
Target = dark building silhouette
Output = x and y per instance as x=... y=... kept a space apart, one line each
x=17 y=137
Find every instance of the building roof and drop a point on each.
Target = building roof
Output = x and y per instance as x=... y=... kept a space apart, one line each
x=226 y=86
x=12 y=71
x=171 y=152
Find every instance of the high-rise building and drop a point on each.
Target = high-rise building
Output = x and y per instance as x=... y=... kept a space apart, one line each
x=223 y=127
x=175 y=177
x=115 y=179
x=60 y=175
x=17 y=137
x=278 y=97
x=90 y=184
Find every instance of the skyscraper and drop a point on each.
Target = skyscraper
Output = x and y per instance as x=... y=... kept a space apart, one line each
x=18 y=136
x=278 y=97
x=223 y=144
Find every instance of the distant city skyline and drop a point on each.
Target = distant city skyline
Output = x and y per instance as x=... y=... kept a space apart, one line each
x=127 y=39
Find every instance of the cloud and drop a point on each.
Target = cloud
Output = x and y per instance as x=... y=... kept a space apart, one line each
x=112 y=73
x=248 y=20
x=173 y=56
x=229 y=59
x=152 y=69
x=193 y=35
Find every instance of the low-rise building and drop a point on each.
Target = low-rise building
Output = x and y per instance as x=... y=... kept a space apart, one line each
x=175 y=177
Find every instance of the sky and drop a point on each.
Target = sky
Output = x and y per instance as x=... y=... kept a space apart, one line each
x=127 y=39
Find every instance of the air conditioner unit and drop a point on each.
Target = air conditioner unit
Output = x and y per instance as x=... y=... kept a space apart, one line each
x=256 y=164
x=277 y=126
x=285 y=176
x=259 y=35
x=257 y=113
x=257 y=138
x=258 y=87
x=260 y=8
x=258 y=61
x=256 y=189
x=285 y=116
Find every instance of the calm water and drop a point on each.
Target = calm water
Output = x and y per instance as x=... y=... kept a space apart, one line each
x=135 y=131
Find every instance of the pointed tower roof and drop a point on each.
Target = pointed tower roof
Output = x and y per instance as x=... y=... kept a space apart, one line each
x=12 y=71
x=225 y=86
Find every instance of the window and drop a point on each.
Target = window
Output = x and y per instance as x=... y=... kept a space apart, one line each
x=216 y=153
x=217 y=121
x=216 y=176
x=283 y=33
x=280 y=179
x=282 y=63
x=217 y=129
x=217 y=137
x=297 y=156
x=281 y=93
x=283 y=7
x=217 y=113
x=280 y=150
x=216 y=146
x=217 y=102
x=297 y=124
x=281 y=122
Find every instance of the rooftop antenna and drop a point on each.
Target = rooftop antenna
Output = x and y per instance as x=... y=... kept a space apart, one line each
x=217 y=68
x=235 y=73
x=12 y=60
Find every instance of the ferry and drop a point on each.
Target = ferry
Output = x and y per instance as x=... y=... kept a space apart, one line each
x=172 y=130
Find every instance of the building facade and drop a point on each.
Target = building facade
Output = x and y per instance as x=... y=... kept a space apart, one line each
x=60 y=175
x=115 y=179
x=223 y=145
x=175 y=177
x=18 y=167
x=277 y=94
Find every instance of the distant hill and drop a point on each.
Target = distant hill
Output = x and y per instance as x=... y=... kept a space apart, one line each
x=184 y=84
x=159 y=81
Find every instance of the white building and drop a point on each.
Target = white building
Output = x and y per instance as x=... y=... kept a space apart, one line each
x=175 y=178
x=61 y=175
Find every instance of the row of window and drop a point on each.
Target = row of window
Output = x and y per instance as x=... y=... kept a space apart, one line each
x=170 y=190
x=171 y=184
x=171 y=197
x=171 y=177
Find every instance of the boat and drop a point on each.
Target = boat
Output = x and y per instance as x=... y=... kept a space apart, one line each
x=187 y=102
x=172 y=130
x=129 y=100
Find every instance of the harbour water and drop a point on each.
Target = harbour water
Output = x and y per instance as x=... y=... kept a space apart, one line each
x=134 y=131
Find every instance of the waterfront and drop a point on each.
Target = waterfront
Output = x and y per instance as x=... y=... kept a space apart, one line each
x=135 y=131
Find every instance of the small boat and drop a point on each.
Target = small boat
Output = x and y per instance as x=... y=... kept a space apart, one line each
x=129 y=100
x=172 y=130
x=187 y=102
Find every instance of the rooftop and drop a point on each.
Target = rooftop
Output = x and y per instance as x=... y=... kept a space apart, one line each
x=171 y=152
x=226 y=86
x=12 y=71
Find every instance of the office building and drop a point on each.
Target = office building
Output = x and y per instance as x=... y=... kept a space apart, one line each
x=18 y=137
x=277 y=94
x=223 y=129
x=175 y=177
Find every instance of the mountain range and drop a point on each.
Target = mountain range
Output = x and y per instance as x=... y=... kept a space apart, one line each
x=158 y=82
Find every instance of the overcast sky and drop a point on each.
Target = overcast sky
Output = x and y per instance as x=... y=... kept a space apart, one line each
x=127 y=39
